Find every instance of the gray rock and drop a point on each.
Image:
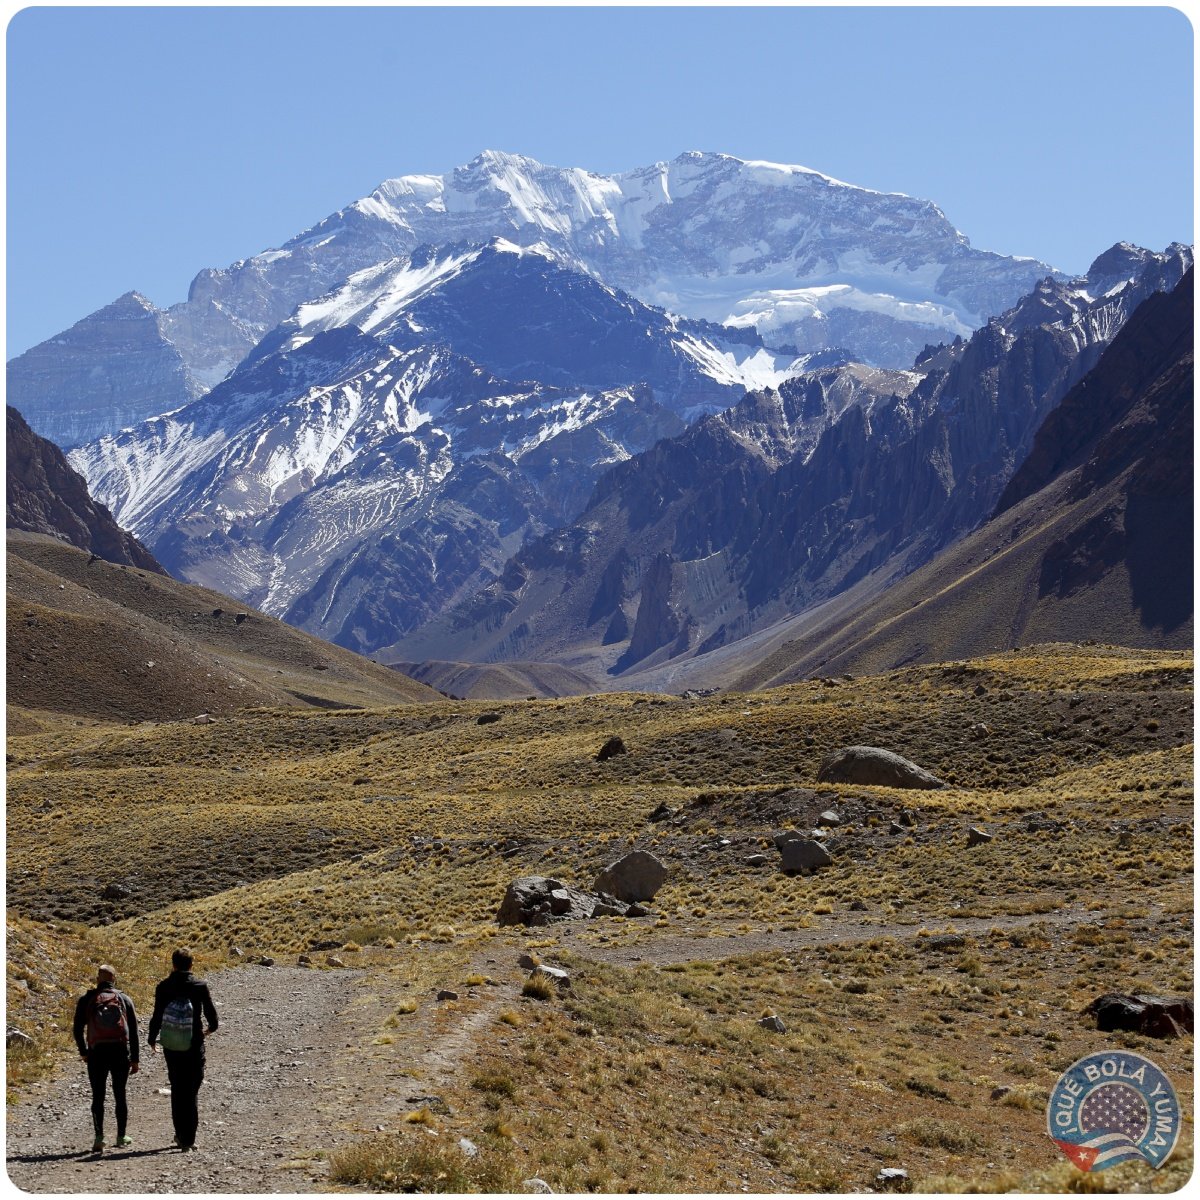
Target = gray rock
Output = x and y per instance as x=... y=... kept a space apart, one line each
x=527 y=961
x=612 y=747
x=756 y=860
x=662 y=813
x=803 y=854
x=976 y=836
x=637 y=910
x=235 y=952
x=556 y=975
x=304 y=961
x=539 y=900
x=942 y=941
x=487 y=718
x=202 y=719
x=447 y=994
x=636 y=876
x=332 y=960
x=908 y=817
x=895 y=827
x=871 y=765
x=15 y=1037
x=772 y=1023
x=468 y=1147
x=266 y=961
x=893 y=1179
x=116 y=891
x=858 y=906
x=998 y=1093
x=829 y=817
x=786 y=835
x=603 y=909
x=538 y=1186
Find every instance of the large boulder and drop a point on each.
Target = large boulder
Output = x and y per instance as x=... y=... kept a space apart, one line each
x=637 y=876
x=870 y=765
x=538 y=900
x=803 y=854
x=1153 y=1016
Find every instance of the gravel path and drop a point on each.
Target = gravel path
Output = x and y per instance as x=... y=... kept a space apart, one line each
x=270 y=1071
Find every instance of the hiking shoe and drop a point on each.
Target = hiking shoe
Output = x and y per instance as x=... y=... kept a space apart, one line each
x=125 y=1140
x=98 y=1145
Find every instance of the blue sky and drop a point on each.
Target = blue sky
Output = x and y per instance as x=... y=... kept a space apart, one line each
x=145 y=144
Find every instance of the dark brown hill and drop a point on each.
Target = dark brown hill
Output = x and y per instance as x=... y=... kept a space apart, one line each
x=1092 y=538
x=46 y=495
x=500 y=681
x=116 y=642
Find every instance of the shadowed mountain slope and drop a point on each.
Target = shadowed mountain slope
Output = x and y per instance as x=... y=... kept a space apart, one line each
x=501 y=681
x=45 y=495
x=1092 y=538
x=97 y=639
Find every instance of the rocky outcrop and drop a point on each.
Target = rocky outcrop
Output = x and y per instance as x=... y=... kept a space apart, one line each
x=539 y=900
x=871 y=765
x=804 y=855
x=44 y=495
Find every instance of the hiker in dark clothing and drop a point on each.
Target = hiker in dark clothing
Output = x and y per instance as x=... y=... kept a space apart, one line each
x=180 y=1003
x=110 y=1047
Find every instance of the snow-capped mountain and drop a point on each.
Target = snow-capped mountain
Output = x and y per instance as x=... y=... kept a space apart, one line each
x=806 y=260
x=737 y=523
x=357 y=443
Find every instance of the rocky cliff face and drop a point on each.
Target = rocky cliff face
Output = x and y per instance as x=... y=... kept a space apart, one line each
x=760 y=525
x=110 y=370
x=44 y=495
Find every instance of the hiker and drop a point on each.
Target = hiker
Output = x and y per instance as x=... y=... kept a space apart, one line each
x=107 y=1018
x=180 y=1001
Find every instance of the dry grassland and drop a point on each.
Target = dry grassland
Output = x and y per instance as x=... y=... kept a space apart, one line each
x=394 y=832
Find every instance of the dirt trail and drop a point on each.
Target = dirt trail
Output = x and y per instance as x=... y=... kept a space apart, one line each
x=298 y=1067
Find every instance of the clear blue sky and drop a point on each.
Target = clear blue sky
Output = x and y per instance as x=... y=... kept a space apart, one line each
x=145 y=144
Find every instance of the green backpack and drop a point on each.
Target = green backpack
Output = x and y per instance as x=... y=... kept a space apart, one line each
x=177 y=1029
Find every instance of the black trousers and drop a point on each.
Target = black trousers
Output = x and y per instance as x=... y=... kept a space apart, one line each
x=103 y=1061
x=185 y=1070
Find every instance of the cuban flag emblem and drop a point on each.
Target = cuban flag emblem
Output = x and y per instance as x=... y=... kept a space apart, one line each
x=1111 y=1107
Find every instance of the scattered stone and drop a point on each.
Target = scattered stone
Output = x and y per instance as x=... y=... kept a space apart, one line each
x=447 y=994
x=613 y=746
x=556 y=975
x=235 y=952
x=304 y=961
x=636 y=876
x=942 y=941
x=202 y=719
x=858 y=906
x=977 y=836
x=998 y=1093
x=893 y=1179
x=871 y=765
x=1154 y=1016
x=435 y=1104
x=895 y=827
x=908 y=817
x=266 y=961
x=538 y=1186
x=603 y=909
x=527 y=961
x=468 y=1147
x=756 y=860
x=664 y=812
x=332 y=960
x=784 y=836
x=803 y=854
x=240 y=617
x=829 y=817
x=15 y=1037
x=773 y=1023
x=981 y=730
x=116 y=891
x=487 y=718
x=325 y=945
x=637 y=910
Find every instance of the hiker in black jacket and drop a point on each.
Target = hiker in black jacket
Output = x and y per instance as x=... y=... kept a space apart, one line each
x=107 y=1018
x=180 y=1001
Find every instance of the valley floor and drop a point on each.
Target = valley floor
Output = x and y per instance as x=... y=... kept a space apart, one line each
x=386 y=837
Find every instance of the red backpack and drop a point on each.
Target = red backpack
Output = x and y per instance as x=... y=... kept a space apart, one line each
x=106 y=1023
